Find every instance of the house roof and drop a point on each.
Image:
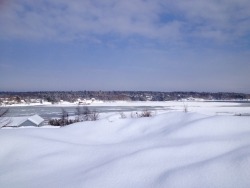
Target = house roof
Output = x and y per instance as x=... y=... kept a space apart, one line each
x=36 y=119
x=18 y=121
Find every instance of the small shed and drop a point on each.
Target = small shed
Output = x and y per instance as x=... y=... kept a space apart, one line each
x=35 y=121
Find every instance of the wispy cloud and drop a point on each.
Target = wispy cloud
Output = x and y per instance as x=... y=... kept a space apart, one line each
x=159 y=20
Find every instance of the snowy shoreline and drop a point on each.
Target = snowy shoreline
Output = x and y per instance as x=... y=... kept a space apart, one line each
x=129 y=103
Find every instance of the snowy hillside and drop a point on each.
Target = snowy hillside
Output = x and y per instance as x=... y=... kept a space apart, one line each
x=172 y=149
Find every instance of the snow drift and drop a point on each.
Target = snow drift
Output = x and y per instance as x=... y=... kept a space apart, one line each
x=169 y=150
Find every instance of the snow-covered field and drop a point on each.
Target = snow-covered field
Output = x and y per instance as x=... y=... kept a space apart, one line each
x=207 y=147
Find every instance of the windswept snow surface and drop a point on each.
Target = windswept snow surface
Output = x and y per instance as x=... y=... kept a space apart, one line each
x=172 y=149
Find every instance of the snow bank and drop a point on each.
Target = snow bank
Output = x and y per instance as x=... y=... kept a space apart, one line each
x=168 y=150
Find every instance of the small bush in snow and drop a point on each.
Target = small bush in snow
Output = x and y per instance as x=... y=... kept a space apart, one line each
x=93 y=116
x=185 y=108
x=145 y=113
x=62 y=122
x=122 y=115
x=86 y=114
x=134 y=115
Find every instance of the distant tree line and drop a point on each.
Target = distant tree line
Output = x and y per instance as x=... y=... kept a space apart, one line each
x=72 y=96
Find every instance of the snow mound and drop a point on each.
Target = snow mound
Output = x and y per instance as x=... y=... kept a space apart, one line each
x=169 y=150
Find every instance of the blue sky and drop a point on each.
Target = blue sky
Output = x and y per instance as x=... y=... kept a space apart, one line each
x=161 y=45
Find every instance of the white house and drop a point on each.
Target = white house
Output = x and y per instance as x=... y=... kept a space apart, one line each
x=85 y=102
x=35 y=121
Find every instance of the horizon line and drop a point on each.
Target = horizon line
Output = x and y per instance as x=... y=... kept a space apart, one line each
x=35 y=91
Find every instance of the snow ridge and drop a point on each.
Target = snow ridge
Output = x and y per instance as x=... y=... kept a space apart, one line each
x=174 y=149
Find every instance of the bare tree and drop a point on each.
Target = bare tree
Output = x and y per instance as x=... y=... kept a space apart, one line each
x=86 y=114
x=65 y=116
x=63 y=121
x=82 y=114
x=185 y=108
x=78 y=113
x=94 y=116
x=4 y=121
